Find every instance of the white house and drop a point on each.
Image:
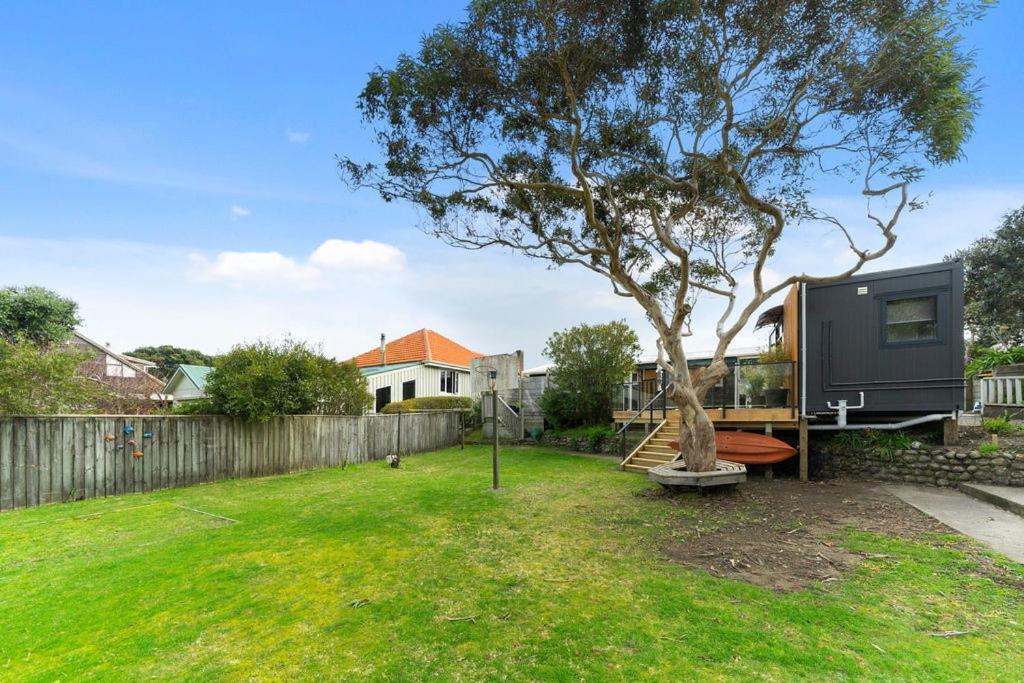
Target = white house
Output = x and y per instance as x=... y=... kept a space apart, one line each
x=423 y=363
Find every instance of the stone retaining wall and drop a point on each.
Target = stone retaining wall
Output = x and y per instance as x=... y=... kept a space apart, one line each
x=933 y=465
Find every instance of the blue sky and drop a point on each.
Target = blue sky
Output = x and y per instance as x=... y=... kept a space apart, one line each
x=170 y=166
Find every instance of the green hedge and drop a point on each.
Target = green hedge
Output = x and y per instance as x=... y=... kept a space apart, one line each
x=430 y=403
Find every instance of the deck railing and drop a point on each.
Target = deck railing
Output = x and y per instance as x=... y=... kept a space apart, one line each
x=747 y=385
x=1005 y=391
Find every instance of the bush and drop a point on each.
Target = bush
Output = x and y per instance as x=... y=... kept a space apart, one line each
x=261 y=380
x=463 y=403
x=1000 y=425
x=590 y=364
x=35 y=380
x=590 y=439
x=884 y=443
x=983 y=359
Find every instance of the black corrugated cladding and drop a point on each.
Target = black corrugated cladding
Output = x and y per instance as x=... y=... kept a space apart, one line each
x=895 y=335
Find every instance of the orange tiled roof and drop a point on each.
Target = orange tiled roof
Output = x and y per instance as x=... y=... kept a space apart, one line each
x=421 y=345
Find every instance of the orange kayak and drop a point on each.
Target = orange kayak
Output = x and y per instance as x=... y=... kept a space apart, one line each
x=748 y=448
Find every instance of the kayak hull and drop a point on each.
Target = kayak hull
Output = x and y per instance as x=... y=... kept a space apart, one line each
x=748 y=448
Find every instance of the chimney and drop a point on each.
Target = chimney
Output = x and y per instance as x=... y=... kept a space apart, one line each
x=383 y=353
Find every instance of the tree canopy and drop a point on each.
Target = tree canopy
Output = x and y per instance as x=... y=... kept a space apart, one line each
x=667 y=144
x=590 y=363
x=994 y=284
x=260 y=380
x=168 y=357
x=37 y=314
x=37 y=380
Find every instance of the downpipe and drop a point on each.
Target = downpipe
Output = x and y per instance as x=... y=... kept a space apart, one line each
x=934 y=417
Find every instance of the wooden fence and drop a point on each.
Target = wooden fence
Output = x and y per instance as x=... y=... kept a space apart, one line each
x=53 y=459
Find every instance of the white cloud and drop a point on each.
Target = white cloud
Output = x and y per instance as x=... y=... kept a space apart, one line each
x=275 y=268
x=253 y=268
x=297 y=137
x=343 y=254
x=240 y=212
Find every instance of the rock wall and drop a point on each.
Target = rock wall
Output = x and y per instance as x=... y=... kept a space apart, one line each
x=932 y=465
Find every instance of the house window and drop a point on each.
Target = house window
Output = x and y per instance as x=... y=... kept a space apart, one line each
x=408 y=390
x=449 y=382
x=910 y=320
x=116 y=368
x=383 y=397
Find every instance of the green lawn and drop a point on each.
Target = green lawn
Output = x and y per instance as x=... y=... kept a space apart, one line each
x=419 y=572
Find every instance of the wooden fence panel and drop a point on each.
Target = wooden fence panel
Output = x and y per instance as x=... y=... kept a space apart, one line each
x=52 y=459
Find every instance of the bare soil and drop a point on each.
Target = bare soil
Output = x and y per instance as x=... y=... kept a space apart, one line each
x=972 y=437
x=783 y=534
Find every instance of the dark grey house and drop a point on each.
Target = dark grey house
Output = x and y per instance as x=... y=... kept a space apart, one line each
x=890 y=344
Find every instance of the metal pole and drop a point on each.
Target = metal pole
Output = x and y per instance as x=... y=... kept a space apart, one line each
x=494 y=426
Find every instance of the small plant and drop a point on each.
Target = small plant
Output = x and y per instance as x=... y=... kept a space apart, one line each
x=1000 y=425
x=885 y=444
x=988 y=448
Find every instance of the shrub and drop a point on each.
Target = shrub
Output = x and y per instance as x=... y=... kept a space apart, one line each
x=983 y=359
x=590 y=363
x=1000 y=425
x=463 y=403
x=590 y=439
x=260 y=380
x=884 y=443
x=35 y=380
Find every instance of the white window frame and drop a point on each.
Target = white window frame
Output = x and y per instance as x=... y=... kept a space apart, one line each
x=450 y=382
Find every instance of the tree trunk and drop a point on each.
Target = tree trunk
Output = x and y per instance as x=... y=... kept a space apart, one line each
x=696 y=430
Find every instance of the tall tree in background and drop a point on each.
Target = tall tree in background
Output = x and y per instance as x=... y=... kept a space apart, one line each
x=590 y=363
x=36 y=314
x=994 y=284
x=168 y=357
x=667 y=145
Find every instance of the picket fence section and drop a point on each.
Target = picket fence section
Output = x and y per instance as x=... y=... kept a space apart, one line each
x=53 y=459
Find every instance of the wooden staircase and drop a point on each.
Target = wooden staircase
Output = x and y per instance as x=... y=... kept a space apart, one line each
x=654 y=450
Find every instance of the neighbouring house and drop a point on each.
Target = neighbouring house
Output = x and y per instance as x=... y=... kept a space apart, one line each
x=125 y=377
x=423 y=363
x=188 y=383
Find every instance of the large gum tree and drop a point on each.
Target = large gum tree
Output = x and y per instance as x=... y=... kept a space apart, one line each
x=668 y=146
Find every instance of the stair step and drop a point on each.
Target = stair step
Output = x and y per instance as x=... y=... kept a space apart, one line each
x=1008 y=498
x=654 y=455
x=648 y=462
x=630 y=467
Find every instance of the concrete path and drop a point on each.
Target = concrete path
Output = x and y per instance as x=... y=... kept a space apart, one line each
x=1001 y=530
x=1010 y=498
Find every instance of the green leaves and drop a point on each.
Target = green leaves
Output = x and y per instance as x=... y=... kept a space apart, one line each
x=590 y=362
x=261 y=380
x=35 y=380
x=994 y=287
x=36 y=314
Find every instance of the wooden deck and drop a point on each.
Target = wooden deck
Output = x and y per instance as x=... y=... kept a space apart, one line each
x=779 y=418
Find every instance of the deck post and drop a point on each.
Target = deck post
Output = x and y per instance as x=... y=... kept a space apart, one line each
x=803 y=449
x=950 y=432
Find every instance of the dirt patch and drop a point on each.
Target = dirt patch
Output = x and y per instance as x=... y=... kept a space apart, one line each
x=782 y=534
x=971 y=438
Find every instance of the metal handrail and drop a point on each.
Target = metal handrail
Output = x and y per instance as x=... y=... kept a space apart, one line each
x=622 y=430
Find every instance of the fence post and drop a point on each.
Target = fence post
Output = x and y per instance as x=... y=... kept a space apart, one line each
x=399 y=450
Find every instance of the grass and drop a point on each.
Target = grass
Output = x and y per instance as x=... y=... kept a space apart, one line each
x=374 y=573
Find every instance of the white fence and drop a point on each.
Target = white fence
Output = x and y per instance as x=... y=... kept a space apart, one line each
x=1003 y=391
